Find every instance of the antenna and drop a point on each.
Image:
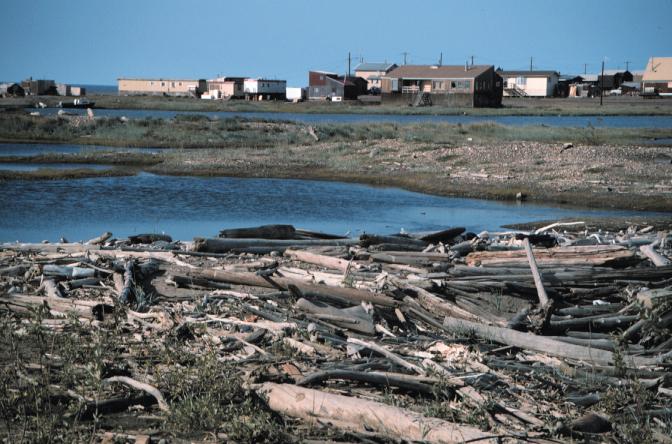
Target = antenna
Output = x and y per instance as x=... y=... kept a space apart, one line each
x=530 y=63
x=441 y=59
x=472 y=60
x=627 y=65
x=404 y=54
x=585 y=69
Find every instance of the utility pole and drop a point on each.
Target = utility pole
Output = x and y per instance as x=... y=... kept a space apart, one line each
x=441 y=59
x=404 y=54
x=627 y=65
x=349 y=62
x=530 y=63
x=602 y=83
x=585 y=69
x=472 y=60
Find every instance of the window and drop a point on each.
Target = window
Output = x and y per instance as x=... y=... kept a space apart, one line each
x=453 y=85
x=437 y=85
x=151 y=83
x=180 y=83
x=467 y=84
x=522 y=80
x=163 y=83
x=172 y=84
x=460 y=84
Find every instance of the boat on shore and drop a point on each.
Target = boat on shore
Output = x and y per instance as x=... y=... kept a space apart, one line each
x=77 y=103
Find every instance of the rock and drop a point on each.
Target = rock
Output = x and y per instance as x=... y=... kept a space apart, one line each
x=521 y=196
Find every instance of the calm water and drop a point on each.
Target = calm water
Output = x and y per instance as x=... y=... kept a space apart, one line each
x=37 y=149
x=53 y=166
x=563 y=121
x=185 y=207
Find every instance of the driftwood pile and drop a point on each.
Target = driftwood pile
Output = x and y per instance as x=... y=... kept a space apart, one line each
x=437 y=337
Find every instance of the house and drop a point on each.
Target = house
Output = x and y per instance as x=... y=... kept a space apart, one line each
x=454 y=85
x=78 y=91
x=39 y=87
x=265 y=89
x=612 y=79
x=165 y=87
x=63 y=89
x=657 y=77
x=226 y=87
x=530 y=83
x=373 y=73
x=11 y=90
x=324 y=85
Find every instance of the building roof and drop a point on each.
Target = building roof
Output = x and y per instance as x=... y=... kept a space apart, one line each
x=590 y=77
x=375 y=67
x=437 y=72
x=634 y=85
x=658 y=69
x=159 y=79
x=528 y=73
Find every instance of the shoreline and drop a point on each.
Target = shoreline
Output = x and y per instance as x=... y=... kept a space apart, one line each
x=570 y=107
x=579 y=167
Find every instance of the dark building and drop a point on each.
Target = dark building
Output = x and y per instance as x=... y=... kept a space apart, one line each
x=468 y=85
x=39 y=87
x=613 y=79
x=327 y=85
x=11 y=90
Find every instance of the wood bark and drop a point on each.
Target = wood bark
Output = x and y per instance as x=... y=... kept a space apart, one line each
x=220 y=245
x=318 y=259
x=353 y=318
x=541 y=292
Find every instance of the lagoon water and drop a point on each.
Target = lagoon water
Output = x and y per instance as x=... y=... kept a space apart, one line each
x=11 y=166
x=185 y=207
x=559 y=121
x=38 y=149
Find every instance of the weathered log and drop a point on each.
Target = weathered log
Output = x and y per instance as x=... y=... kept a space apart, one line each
x=543 y=297
x=148 y=238
x=190 y=281
x=15 y=270
x=221 y=245
x=147 y=388
x=366 y=240
x=57 y=306
x=358 y=414
x=656 y=258
x=318 y=259
x=653 y=298
x=388 y=354
x=353 y=318
x=68 y=272
x=540 y=343
x=384 y=379
x=598 y=255
x=349 y=294
x=444 y=236
x=127 y=293
x=260 y=232
x=100 y=239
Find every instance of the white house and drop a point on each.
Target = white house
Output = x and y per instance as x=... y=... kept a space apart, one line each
x=265 y=89
x=529 y=83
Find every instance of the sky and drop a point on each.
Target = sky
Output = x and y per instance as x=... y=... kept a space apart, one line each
x=98 y=41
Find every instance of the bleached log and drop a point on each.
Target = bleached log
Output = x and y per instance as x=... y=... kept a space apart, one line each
x=348 y=294
x=318 y=259
x=541 y=292
x=388 y=354
x=222 y=245
x=541 y=344
x=557 y=224
x=595 y=255
x=100 y=239
x=358 y=414
x=656 y=258
x=353 y=318
x=163 y=405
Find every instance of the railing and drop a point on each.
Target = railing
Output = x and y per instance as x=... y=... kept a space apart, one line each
x=410 y=89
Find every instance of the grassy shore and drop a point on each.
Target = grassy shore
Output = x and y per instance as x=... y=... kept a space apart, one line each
x=196 y=131
x=603 y=167
x=511 y=106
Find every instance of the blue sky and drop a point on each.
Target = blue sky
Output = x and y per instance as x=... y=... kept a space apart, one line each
x=96 y=42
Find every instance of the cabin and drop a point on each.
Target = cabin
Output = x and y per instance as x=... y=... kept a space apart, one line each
x=450 y=85
x=40 y=87
x=613 y=79
x=265 y=89
x=530 y=83
x=161 y=87
x=373 y=74
x=226 y=87
x=657 y=76
x=323 y=85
